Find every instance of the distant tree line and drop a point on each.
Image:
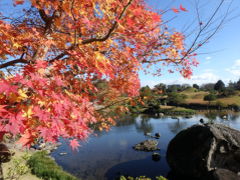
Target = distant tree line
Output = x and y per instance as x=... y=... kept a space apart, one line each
x=219 y=86
x=173 y=95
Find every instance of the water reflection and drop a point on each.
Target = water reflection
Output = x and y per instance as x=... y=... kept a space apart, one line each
x=143 y=124
x=126 y=120
x=211 y=116
x=144 y=167
x=109 y=154
x=177 y=126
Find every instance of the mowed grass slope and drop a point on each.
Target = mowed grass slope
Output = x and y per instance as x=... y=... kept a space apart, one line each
x=196 y=97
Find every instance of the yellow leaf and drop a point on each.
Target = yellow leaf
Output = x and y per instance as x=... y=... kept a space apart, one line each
x=28 y=112
x=16 y=45
x=22 y=94
x=73 y=116
x=41 y=71
x=41 y=103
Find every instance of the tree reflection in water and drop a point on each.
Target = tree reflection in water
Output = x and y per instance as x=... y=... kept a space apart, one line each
x=143 y=124
x=177 y=126
x=211 y=116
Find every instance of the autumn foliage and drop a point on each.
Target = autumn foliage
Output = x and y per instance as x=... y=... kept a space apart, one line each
x=54 y=53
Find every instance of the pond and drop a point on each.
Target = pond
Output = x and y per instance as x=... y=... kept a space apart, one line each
x=106 y=155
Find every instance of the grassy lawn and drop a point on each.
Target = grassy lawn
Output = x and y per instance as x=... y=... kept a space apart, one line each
x=46 y=168
x=230 y=100
x=197 y=97
x=30 y=165
x=169 y=109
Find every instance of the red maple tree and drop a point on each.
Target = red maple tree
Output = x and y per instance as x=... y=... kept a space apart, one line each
x=53 y=55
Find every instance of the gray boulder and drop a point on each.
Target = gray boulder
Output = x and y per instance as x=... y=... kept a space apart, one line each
x=224 y=174
x=148 y=145
x=204 y=148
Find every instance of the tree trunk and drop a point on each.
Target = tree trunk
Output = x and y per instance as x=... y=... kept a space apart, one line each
x=5 y=156
x=1 y=172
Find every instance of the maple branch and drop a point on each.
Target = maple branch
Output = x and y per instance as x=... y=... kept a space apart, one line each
x=62 y=54
x=87 y=41
x=104 y=38
x=112 y=104
x=43 y=15
x=13 y=62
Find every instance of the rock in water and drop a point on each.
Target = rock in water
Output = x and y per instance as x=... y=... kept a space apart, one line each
x=156 y=156
x=148 y=145
x=203 y=148
x=201 y=121
x=157 y=135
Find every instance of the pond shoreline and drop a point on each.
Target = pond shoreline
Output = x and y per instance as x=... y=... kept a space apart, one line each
x=110 y=153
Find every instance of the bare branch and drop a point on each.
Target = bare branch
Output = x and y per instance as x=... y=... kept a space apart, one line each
x=13 y=62
x=87 y=41
x=190 y=49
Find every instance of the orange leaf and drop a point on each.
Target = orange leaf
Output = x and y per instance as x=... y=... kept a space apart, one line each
x=175 y=10
x=18 y=2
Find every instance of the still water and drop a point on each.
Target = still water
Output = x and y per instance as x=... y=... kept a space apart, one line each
x=106 y=155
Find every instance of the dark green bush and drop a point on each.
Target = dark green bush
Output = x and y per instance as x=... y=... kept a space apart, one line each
x=176 y=98
x=228 y=92
x=210 y=97
x=46 y=168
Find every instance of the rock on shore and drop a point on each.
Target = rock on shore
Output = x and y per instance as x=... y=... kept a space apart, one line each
x=206 y=149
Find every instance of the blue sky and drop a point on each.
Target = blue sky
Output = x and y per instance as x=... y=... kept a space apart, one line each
x=222 y=54
x=222 y=58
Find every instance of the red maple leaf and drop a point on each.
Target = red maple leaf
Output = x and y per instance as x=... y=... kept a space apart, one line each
x=130 y=22
x=2 y=109
x=7 y=88
x=41 y=64
x=26 y=139
x=182 y=8
x=156 y=17
x=74 y=144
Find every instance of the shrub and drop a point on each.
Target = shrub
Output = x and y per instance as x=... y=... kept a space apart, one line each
x=210 y=97
x=176 y=98
x=228 y=92
x=18 y=167
x=235 y=107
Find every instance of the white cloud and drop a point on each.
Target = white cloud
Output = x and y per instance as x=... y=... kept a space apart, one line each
x=209 y=70
x=207 y=60
x=235 y=69
x=150 y=83
x=237 y=62
x=206 y=77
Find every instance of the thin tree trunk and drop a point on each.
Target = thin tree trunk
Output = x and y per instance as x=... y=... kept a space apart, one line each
x=1 y=172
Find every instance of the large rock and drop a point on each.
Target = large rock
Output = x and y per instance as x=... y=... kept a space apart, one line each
x=203 y=148
x=223 y=174
x=148 y=145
